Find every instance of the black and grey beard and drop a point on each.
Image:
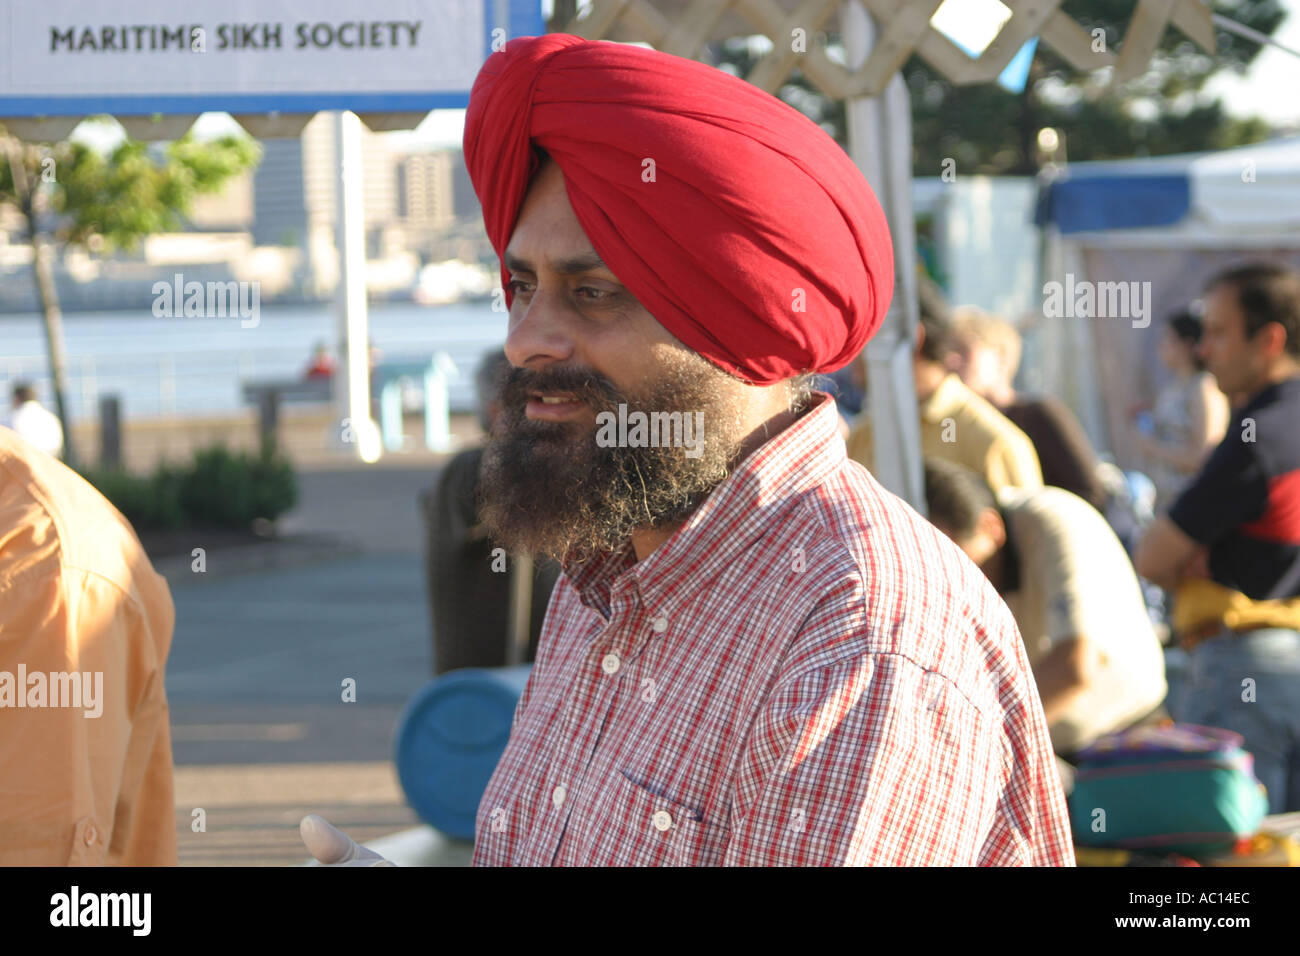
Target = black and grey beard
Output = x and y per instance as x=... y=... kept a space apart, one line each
x=548 y=488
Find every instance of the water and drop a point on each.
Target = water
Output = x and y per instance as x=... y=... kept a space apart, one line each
x=195 y=366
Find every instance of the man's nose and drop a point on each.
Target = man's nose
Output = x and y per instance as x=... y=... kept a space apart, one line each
x=540 y=332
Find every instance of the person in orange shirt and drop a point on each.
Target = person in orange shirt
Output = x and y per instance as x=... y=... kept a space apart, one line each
x=85 y=627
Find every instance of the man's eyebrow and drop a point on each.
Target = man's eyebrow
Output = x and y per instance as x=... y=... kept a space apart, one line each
x=573 y=265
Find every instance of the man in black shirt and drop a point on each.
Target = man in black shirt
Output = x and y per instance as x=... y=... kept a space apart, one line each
x=1238 y=523
x=469 y=576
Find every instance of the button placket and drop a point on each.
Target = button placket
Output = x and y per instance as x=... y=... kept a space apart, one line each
x=649 y=626
x=593 y=697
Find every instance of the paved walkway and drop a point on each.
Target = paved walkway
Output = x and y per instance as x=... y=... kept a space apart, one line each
x=262 y=735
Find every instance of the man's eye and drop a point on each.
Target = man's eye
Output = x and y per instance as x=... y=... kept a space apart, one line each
x=516 y=286
x=594 y=294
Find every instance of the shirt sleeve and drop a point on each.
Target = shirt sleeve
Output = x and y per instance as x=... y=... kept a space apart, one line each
x=1230 y=490
x=1065 y=454
x=134 y=637
x=876 y=761
x=1060 y=547
x=144 y=831
x=91 y=784
x=1013 y=463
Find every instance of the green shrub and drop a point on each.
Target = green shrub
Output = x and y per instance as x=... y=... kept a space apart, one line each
x=275 y=486
x=147 y=502
x=219 y=489
x=165 y=487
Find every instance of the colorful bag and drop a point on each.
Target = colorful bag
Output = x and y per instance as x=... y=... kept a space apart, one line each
x=1173 y=787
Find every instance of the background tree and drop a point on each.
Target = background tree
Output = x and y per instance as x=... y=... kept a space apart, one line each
x=70 y=193
x=987 y=129
x=562 y=14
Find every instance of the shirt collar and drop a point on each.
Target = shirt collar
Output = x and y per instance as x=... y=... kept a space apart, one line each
x=727 y=522
x=1268 y=394
x=946 y=401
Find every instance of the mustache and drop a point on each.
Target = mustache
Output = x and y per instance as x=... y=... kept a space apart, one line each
x=586 y=385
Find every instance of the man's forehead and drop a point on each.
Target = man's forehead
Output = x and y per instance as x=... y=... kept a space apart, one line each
x=1220 y=304
x=547 y=231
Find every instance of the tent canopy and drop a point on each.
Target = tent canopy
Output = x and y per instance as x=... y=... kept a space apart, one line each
x=1159 y=227
x=1247 y=188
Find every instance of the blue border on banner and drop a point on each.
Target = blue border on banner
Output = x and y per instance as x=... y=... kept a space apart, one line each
x=518 y=17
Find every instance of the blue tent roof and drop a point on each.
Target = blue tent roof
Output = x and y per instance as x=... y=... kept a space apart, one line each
x=1247 y=188
x=1119 y=201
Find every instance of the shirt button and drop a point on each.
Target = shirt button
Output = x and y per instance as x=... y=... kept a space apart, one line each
x=663 y=820
x=660 y=624
x=610 y=664
x=557 y=796
x=91 y=834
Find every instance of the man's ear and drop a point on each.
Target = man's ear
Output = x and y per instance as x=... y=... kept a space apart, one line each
x=990 y=525
x=920 y=336
x=1272 y=339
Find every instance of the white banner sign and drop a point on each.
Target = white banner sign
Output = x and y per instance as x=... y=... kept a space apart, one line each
x=60 y=57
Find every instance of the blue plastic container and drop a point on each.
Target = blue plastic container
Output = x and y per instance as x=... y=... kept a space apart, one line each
x=449 y=740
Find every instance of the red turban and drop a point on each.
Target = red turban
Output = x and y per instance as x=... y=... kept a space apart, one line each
x=753 y=238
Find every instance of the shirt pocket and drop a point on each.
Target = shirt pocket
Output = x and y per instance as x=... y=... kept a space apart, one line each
x=647 y=828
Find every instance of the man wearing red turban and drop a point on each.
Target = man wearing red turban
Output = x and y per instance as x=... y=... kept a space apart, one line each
x=755 y=655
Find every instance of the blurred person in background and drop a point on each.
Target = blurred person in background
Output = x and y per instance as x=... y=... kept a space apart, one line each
x=1073 y=593
x=956 y=423
x=989 y=350
x=33 y=422
x=82 y=613
x=1229 y=547
x=848 y=387
x=1190 y=415
x=322 y=364
x=469 y=586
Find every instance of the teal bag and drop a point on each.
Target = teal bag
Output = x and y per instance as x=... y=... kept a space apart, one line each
x=1177 y=787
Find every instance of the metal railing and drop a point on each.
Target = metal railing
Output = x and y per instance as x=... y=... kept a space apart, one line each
x=193 y=384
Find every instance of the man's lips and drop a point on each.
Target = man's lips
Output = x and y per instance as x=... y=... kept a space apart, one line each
x=552 y=406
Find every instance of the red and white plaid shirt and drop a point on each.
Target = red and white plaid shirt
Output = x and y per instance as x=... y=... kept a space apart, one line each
x=806 y=673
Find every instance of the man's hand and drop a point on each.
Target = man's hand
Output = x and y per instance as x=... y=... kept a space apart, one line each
x=1064 y=673
x=1165 y=554
x=1199 y=566
x=332 y=847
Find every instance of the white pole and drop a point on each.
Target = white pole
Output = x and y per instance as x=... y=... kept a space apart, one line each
x=1232 y=26
x=880 y=143
x=352 y=387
